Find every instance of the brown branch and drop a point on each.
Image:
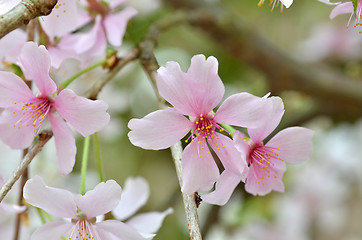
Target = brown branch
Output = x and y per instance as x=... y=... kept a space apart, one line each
x=37 y=147
x=23 y=13
x=336 y=94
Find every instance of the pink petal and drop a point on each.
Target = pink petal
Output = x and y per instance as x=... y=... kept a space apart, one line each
x=52 y=230
x=35 y=62
x=13 y=89
x=86 y=116
x=242 y=146
x=102 y=199
x=258 y=182
x=63 y=19
x=149 y=222
x=159 y=130
x=228 y=154
x=224 y=187
x=10 y=209
x=7 y=5
x=194 y=93
x=294 y=143
x=119 y=229
x=271 y=120
x=58 y=202
x=199 y=170
x=243 y=110
x=11 y=44
x=14 y=137
x=58 y=56
x=115 y=3
x=115 y=25
x=135 y=195
x=343 y=8
x=98 y=50
x=64 y=144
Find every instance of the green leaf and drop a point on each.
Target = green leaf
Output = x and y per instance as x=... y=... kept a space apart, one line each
x=355 y=7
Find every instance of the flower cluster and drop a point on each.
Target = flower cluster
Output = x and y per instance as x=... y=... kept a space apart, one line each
x=194 y=95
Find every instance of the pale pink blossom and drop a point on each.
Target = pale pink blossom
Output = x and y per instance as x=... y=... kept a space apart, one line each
x=83 y=211
x=266 y=162
x=134 y=196
x=109 y=26
x=275 y=3
x=195 y=94
x=24 y=113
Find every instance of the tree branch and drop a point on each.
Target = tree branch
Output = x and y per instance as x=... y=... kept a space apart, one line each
x=37 y=147
x=23 y=13
x=336 y=94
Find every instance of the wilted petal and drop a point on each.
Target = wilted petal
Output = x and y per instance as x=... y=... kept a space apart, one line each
x=115 y=25
x=52 y=230
x=13 y=90
x=63 y=19
x=35 y=62
x=58 y=202
x=14 y=137
x=294 y=144
x=85 y=115
x=135 y=194
x=102 y=199
x=271 y=120
x=343 y=8
x=119 y=229
x=243 y=110
x=199 y=170
x=64 y=144
x=224 y=187
x=149 y=222
x=158 y=130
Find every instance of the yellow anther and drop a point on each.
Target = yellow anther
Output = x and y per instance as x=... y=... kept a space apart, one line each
x=13 y=112
x=268 y=176
x=262 y=177
x=223 y=146
x=266 y=166
x=199 y=156
x=14 y=125
x=259 y=182
x=217 y=144
x=27 y=125
x=202 y=147
x=15 y=102
x=197 y=122
x=207 y=152
x=199 y=142
x=262 y=183
x=275 y=176
x=201 y=115
x=218 y=148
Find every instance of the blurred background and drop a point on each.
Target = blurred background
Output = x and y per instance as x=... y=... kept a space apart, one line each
x=311 y=62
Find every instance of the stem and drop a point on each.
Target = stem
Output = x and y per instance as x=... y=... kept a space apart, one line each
x=84 y=165
x=72 y=78
x=98 y=156
x=43 y=139
x=229 y=128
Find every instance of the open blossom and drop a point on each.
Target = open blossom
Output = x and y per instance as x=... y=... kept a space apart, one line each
x=275 y=3
x=266 y=162
x=24 y=114
x=108 y=26
x=134 y=196
x=83 y=211
x=195 y=94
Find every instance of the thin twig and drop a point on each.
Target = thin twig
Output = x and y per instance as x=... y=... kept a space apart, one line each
x=23 y=13
x=98 y=86
x=37 y=147
x=150 y=65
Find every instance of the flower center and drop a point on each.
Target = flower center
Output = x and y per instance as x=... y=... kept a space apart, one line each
x=204 y=127
x=32 y=113
x=83 y=231
x=265 y=160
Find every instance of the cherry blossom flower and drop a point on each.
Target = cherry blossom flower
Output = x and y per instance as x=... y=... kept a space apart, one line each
x=135 y=195
x=347 y=7
x=24 y=113
x=195 y=94
x=108 y=26
x=81 y=209
x=266 y=162
x=275 y=3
